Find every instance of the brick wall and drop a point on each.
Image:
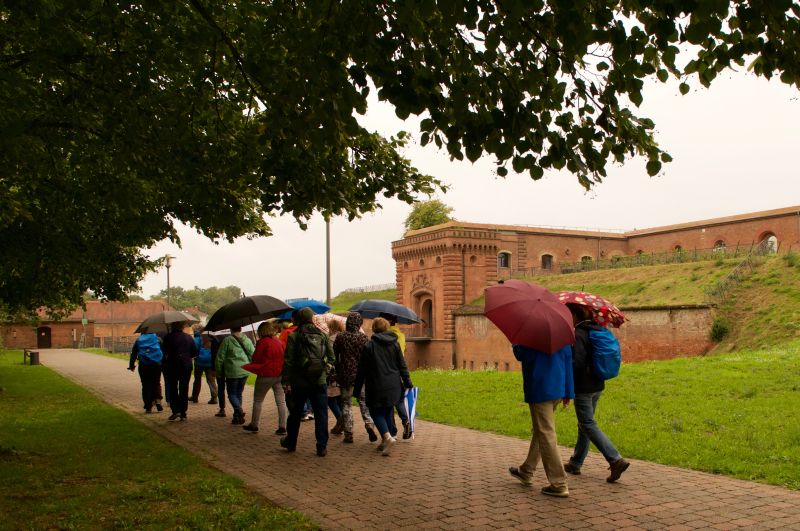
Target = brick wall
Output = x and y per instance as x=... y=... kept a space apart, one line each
x=61 y=335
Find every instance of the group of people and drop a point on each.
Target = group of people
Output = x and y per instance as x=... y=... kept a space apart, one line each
x=309 y=368
x=558 y=378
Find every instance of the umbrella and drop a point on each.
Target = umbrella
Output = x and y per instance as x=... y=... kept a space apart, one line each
x=604 y=312
x=296 y=304
x=410 y=400
x=323 y=321
x=372 y=308
x=159 y=322
x=529 y=315
x=246 y=311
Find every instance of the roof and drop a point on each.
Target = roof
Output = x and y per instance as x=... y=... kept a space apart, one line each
x=119 y=312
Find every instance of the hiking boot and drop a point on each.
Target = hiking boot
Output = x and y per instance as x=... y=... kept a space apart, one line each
x=280 y=431
x=407 y=433
x=285 y=444
x=322 y=451
x=559 y=492
x=250 y=428
x=572 y=469
x=338 y=428
x=348 y=438
x=387 y=446
x=213 y=400
x=372 y=435
x=514 y=471
x=174 y=416
x=617 y=468
x=220 y=413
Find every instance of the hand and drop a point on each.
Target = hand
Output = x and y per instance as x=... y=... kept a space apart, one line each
x=287 y=389
x=565 y=402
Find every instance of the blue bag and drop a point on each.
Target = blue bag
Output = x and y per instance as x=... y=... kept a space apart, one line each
x=203 y=359
x=606 y=353
x=148 y=349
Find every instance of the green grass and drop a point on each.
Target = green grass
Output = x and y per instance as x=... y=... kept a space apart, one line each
x=343 y=301
x=70 y=461
x=732 y=414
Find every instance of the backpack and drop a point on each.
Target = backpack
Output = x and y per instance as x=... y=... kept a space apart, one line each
x=149 y=349
x=203 y=358
x=311 y=353
x=606 y=353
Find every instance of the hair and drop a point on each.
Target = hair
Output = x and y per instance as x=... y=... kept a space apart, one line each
x=379 y=325
x=235 y=329
x=580 y=313
x=389 y=317
x=176 y=327
x=335 y=326
x=268 y=329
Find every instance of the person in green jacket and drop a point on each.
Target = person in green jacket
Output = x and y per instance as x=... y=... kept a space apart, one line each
x=236 y=350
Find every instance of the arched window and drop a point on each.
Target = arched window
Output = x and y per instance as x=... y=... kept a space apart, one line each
x=427 y=316
x=769 y=243
x=719 y=246
x=678 y=249
x=586 y=259
x=547 y=262
x=504 y=259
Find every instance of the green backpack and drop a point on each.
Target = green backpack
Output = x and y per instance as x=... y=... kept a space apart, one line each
x=311 y=350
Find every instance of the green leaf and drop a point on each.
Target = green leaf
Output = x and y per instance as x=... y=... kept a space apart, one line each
x=653 y=167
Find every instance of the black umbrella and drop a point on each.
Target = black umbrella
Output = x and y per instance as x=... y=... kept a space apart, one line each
x=159 y=322
x=246 y=310
x=372 y=308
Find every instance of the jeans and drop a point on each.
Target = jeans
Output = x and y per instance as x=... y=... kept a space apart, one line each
x=150 y=375
x=198 y=382
x=588 y=430
x=235 y=389
x=178 y=388
x=262 y=387
x=335 y=404
x=221 y=384
x=384 y=420
x=319 y=405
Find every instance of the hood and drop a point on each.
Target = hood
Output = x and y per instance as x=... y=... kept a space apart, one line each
x=385 y=338
x=304 y=315
x=354 y=322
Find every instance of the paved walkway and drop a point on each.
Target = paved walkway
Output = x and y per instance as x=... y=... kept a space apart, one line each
x=448 y=478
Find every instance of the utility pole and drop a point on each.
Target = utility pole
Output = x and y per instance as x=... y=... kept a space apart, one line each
x=168 y=264
x=328 y=262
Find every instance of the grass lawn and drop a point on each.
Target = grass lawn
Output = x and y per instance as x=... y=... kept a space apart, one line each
x=343 y=301
x=70 y=461
x=733 y=414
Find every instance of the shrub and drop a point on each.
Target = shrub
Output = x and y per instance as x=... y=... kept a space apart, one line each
x=792 y=259
x=719 y=329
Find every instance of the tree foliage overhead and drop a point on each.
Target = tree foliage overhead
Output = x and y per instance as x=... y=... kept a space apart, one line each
x=427 y=214
x=208 y=300
x=121 y=119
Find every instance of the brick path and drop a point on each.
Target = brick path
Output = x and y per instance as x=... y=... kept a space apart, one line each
x=459 y=475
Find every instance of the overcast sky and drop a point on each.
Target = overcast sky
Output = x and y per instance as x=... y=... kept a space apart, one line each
x=735 y=148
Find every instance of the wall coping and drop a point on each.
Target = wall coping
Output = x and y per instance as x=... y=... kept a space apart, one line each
x=478 y=310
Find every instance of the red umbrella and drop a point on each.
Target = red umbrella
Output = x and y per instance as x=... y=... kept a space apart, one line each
x=603 y=311
x=529 y=315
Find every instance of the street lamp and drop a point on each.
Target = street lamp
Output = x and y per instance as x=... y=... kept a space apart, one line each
x=168 y=264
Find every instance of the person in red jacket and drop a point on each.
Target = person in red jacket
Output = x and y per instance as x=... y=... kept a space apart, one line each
x=267 y=365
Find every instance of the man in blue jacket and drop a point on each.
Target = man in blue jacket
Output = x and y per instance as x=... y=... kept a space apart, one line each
x=546 y=381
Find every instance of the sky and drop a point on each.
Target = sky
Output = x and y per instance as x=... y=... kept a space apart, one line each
x=735 y=147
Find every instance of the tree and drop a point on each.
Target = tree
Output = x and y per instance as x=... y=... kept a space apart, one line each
x=207 y=299
x=427 y=214
x=123 y=118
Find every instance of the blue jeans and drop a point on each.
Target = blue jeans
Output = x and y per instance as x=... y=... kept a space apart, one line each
x=235 y=389
x=589 y=431
x=335 y=403
x=383 y=417
x=296 y=400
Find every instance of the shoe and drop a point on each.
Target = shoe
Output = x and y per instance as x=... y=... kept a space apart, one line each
x=559 y=492
x=514 y=471
x=348 y=438
x=220 y=413
x=159 y=408
x=193 y=399
x=617 y=468
x=183 y=416
x=213 y=400
x=322 y=452
x=148 y=411
x=285 y=444
x=381 y=446
x=407 y=433
x=250 y=428
x=338 y=428
x=280 y=431
x=372 y=435
x=572 y=469
x=387 y=446
x=174 y=416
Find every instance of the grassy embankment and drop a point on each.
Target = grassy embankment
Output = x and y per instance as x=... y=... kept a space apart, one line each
x=70 y=461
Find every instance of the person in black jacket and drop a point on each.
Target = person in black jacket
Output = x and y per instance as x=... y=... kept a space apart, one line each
x=179 y=349
x=588 y=389
x=382 y=369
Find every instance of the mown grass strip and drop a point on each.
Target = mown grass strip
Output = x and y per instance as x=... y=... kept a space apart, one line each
x=70 y=461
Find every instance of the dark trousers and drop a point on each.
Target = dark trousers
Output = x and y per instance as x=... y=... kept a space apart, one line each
x=150 y=375
x=179 y=378
x=221 y=390
x=335 y=404
x=318 y=394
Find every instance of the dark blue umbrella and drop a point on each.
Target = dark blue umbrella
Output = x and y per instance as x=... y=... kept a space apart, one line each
x=296 y=304
x=372 y=308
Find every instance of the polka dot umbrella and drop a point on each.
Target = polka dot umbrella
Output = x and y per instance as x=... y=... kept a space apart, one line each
x=604 y=312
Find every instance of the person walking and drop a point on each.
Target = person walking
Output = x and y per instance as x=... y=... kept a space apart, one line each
x=306 y=360
x=383 y=372
x=401 y=406
x=203 y=367
x=267 y=366
x=179 y=351
x=235 y=351
x=147 y=350
x=546 y=381
x=347 y=348
x=588 y=389
x=334 y=389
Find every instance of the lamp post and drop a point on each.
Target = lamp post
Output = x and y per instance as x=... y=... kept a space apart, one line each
x=168 y=264
x=328 y=262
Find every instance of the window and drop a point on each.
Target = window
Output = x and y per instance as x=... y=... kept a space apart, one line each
x=719 y=246
x=769 y=243
x=504 y=259
x=586 y=259
x=678 y=249
x=427 y=316
x=547 y=262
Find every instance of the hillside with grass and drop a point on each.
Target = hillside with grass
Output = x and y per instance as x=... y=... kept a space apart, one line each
x=343 y=301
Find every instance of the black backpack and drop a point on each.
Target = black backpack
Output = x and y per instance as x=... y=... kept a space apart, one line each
x=311 y=353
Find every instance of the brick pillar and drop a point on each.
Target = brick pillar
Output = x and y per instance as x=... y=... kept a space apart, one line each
x=452 y=291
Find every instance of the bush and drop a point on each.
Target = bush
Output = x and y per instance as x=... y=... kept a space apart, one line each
x=792 y=259
x=719 y=329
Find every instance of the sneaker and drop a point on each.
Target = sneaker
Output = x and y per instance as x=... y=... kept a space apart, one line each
x=559 y=492
x=220 y=413
x=174 y=416
x=213 y=400
x=322 y=452
x=285 y=444
x=514 y=471
x=572 y=469
x=280 y=431
x=348 y=438
x=372 y=435
x=193 y=399
x=617 y=468
x=159 y=408
x=250 y=428
x=387 y=446
x=407 y=433
x=183 y=416
x=338 y=428
x=381 y=446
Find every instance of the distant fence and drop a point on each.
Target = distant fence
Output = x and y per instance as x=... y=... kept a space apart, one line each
x=115 y=344
x=373 y=287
